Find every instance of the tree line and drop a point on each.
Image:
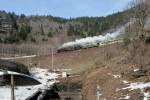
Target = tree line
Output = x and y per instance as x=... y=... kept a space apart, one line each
x=16 y=28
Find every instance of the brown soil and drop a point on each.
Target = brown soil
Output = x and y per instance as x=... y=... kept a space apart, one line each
x=106 y=67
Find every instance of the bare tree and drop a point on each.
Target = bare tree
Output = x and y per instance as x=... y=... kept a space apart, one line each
x=140 y=13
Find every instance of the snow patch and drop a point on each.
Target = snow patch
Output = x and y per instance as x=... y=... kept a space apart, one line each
x=146 y=96
x=135 y=70
x=125 y=82
x=44 y=76
x=116 y=76
x=141 y=86
x=125 y=98
x=118 y=89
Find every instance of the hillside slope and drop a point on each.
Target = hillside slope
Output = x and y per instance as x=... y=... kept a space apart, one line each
x=112 y=67
x=46 y=29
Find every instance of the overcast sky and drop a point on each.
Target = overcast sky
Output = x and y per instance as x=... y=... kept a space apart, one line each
x=64 y=8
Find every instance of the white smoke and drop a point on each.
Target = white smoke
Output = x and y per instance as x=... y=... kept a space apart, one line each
x=97 y=39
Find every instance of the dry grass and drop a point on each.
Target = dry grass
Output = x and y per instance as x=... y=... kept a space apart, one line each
x=97 y=66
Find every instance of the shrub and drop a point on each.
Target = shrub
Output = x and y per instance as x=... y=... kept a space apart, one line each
x=33 y=39
x=50 y=34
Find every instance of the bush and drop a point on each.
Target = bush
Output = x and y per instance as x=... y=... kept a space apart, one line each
x=11 y=39
x=126 y=41
x=44 y=39
x=129 y=37
x=33 y=40
x=24 y=31
x=50 y=34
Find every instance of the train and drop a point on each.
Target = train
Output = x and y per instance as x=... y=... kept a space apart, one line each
x=74 y=47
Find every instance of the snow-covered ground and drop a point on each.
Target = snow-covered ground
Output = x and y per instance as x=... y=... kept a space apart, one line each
x=141 y=86
x=126 y=97
x=21 y=93
x=138 y=85
x=44 y=76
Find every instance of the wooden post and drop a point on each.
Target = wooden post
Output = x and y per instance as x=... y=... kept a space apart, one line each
x=12 y=88
x=98 y=92
x=52 y=60
x=68 y=86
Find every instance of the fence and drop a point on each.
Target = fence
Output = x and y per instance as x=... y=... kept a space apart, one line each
x=24 y=50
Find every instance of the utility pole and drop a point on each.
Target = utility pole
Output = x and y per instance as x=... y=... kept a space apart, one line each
x=12 y=88
x=53 y=62
x=52 y=59
x=98 y=92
